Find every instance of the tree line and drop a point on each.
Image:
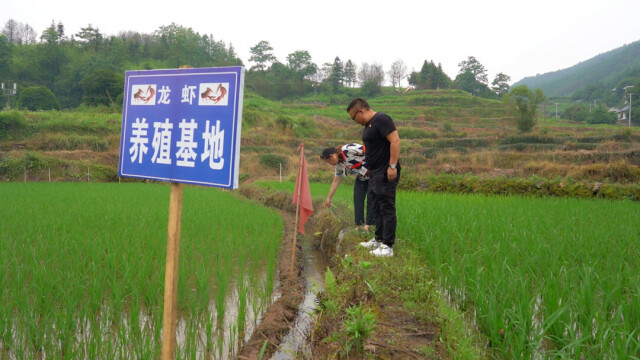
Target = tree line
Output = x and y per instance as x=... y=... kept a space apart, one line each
x=87 y=68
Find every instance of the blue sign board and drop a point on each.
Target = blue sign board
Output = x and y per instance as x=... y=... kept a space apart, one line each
x=183 y=125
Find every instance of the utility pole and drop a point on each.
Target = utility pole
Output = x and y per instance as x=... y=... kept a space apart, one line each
x=556 y=110
x=314 y=85
x=630 y=95
x=9 y=91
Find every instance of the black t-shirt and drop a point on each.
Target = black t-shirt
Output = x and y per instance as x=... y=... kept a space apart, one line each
x=374 y=136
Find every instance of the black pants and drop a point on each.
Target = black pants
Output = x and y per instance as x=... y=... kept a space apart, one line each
x=382 y=194
x=360 y=191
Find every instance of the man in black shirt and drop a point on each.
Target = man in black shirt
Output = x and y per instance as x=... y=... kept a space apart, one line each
x=382 y=152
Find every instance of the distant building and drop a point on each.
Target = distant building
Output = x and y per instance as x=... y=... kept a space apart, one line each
x=622 y=113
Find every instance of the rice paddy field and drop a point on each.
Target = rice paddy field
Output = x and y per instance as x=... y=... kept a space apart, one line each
x=542 y=278
x=82 y=270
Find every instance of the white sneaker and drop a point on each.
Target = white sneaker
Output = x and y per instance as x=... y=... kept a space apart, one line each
x=371 y=244
x=382 y=251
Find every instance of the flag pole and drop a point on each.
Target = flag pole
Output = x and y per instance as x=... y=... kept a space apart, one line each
x=297 y=195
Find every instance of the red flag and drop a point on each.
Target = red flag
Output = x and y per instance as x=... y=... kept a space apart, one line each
x=302 y=191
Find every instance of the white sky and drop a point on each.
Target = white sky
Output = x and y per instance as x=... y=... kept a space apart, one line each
x=515 y=37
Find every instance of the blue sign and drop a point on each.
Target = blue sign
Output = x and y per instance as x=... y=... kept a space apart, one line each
x=183 y=125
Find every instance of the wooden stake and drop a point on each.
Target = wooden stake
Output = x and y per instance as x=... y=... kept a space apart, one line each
x=171 y=273
x=295 y=229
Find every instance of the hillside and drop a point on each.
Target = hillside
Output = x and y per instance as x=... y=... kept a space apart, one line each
x=608 y=68
x=451 y=141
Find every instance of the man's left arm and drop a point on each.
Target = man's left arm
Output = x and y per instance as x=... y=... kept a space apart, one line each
x=394 y=154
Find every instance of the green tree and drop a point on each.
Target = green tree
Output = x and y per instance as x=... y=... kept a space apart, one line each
x=467 y=81
x=116 y=50
x=92 y=38
x=50 y=34
x=10 y=30
x=102 y=87
x=440 y=79
x=50 y=56
x=5 y=58
x=262 y=55
x=500 y=85
x=372 y=77
x=576 y=112
x=600 y=115
x=38 y=98
x=430 y=77
x=473 y=66
x=283 y=81
x=60 y=30
x=336 y=77
x=524 y=103
x=177 y=46
x=300 y=62
x=350 y=73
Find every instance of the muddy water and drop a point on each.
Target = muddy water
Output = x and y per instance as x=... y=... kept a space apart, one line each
x=226 y=342
x=315 y=265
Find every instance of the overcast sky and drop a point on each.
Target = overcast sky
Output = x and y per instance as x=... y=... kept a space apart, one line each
x=518 y=38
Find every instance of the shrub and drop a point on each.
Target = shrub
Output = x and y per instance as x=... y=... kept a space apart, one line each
x=283 y=122
x=601 y=116
x=14 y=167
x=74 y=142
x=462 y=143
x=532 y=186
x=102 y=87
x=531 y=147
x=304 y=127
x=36 y=98
x=273 y=161
x=103 y=173
x=358 y=326
x=11 y=124
x=530 y=139
x=415 y=133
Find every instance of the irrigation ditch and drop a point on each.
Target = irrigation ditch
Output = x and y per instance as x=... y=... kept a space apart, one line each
x=285 y=324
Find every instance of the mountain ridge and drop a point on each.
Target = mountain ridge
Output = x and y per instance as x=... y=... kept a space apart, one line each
x=608 y=67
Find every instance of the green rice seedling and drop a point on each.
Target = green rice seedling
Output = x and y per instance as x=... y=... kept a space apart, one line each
x=549 y=276
x=82 y=268
x=242 y=290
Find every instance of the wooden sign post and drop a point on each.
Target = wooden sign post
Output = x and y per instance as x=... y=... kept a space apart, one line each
x=157 y=104
x=171 y=273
